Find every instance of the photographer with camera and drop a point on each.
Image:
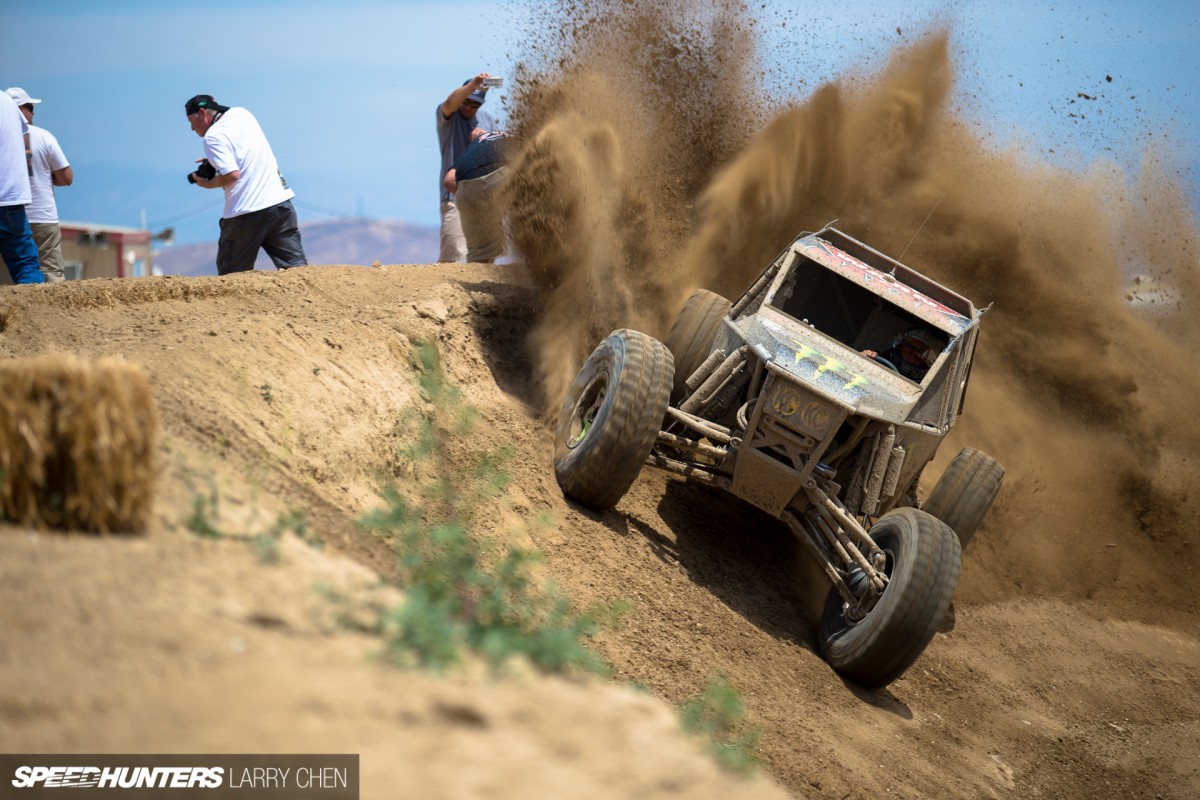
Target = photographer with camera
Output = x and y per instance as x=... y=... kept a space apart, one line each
x=258 y=203
x=205 y=170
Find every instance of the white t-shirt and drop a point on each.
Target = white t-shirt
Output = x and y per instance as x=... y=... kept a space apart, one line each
x=236 y=142
x=14 y=169
x=47 y=157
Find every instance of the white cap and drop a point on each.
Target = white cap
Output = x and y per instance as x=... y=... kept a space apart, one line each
x=21 y=97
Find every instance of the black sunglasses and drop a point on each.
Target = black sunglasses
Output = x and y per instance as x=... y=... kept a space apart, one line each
x=471 y=104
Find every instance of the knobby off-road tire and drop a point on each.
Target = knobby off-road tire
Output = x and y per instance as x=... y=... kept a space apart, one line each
x=691 y=337
x=610 y=418
x=924 y=559
x=965 y=492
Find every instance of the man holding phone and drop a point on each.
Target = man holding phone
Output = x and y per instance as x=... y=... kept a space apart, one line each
x=458 y=118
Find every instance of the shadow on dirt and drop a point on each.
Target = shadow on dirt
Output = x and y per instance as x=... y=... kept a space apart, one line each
x=740 y=554
x=504 y=314
x=883 y=699
x=747 y=559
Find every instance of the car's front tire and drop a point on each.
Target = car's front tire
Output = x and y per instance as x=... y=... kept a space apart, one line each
x=923 y=562
x=610 y=418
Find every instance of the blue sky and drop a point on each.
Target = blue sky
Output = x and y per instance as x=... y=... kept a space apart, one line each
x=346 y=91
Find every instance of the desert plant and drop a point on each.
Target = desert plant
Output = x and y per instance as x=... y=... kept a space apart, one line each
x=266 y=548
x=465 y=592
x=296 y=522
x=266 y=543
x=203 y=519
x=717 y=714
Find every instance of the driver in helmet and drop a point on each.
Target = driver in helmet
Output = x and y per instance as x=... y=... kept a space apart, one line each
x=911 y=353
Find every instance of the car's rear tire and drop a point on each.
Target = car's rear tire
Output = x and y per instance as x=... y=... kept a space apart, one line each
x=691 y=337
x=611 y=417
x=923 y=563
x=965 y=492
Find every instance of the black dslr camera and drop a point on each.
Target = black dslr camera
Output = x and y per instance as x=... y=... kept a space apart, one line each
x=206 y=171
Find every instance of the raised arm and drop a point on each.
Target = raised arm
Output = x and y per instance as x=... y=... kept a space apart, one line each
x=455 y=99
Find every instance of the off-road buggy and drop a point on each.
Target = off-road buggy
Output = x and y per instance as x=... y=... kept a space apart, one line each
x=790 y=400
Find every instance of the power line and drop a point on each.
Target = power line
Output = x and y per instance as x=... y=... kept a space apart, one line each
x=339 y=217
x=165 y=222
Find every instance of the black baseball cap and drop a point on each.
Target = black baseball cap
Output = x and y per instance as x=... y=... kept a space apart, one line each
x=203 y=101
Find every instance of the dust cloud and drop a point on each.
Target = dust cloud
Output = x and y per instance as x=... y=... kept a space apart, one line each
x=655 y=162
x=625 y=110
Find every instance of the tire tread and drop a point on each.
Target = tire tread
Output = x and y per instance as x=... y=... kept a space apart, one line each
x=883 y=646
x=691 y=337
x=599 y=470
x=965 y=492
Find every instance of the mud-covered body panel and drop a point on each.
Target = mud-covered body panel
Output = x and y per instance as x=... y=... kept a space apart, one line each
x=884 y=284
x=829 y=367
x=811 y=326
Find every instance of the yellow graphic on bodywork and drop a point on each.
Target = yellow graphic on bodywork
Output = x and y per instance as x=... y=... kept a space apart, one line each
x=815 y=417
x=828 y=364
x=804 y=352
x=786 y=402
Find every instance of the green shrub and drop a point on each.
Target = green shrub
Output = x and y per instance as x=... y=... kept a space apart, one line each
x=205 y=516
x=205 y=511
x=266 y=543
x=717 y=714
x=464 y=593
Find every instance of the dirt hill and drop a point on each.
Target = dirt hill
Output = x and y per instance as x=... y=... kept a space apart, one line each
x=1073 y=669
x=175 y=642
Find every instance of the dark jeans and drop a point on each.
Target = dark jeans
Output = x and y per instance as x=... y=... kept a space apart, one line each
x=17 y=247
x=273 y=229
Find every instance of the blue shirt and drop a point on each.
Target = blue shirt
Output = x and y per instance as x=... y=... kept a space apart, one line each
x=484 y=156
x=454 y=134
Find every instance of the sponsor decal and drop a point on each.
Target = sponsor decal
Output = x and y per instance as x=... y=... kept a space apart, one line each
x=848 y=264
x=809 y=362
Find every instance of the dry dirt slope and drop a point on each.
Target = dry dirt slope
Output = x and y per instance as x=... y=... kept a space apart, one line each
x=172 y=642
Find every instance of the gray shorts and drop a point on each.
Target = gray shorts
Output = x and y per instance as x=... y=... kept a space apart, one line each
x=482 y=215
x=274 y=229
x=453 y=243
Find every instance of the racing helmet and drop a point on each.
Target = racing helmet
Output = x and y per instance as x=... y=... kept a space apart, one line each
x=919 y=345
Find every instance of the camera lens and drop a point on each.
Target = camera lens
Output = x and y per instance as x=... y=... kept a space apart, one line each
x=191 y=177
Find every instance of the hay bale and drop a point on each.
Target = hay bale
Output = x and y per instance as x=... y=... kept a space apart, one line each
x=77 y=443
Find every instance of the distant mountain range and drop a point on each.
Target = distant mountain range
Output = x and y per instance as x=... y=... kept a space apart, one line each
x=341 y=241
